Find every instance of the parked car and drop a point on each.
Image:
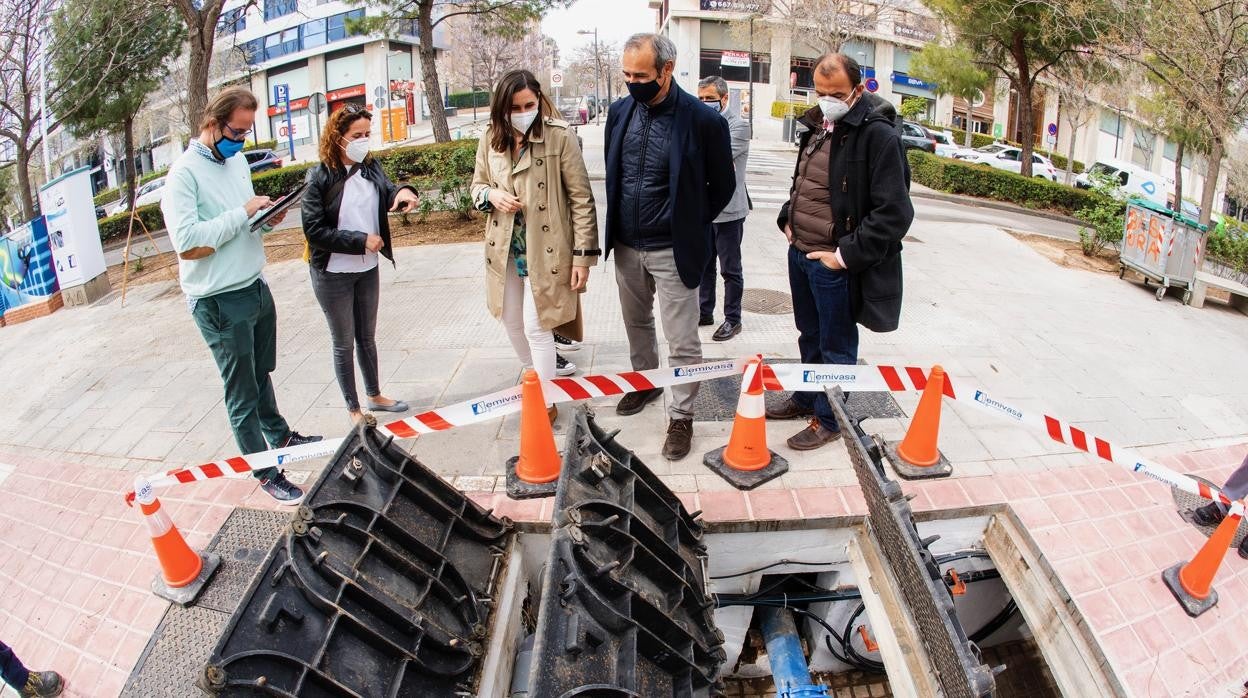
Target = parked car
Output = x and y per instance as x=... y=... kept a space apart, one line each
x=1132 y=180
x=945 y=147
x=262 y=160
x=570 y=110
x=1008 y=158
x=915 y=136
x=149 y=193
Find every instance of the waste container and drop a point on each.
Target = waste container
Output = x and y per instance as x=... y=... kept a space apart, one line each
x=1162 y=246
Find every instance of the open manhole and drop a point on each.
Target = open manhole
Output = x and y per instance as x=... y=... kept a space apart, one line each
x=766 y=301
x=1186 y=503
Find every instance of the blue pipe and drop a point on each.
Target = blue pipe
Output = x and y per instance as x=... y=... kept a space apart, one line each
x=784 y=652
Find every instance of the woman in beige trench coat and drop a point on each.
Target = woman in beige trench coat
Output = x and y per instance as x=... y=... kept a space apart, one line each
x=541 y=229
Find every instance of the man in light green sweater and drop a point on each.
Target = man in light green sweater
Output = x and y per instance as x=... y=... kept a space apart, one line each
x=207 y=202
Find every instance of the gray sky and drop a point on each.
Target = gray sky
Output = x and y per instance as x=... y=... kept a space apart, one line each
x=616 y=21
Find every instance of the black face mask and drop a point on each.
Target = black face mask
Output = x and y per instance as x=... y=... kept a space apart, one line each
x=644 y=92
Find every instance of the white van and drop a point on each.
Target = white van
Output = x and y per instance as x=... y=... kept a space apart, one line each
x=1132 y=179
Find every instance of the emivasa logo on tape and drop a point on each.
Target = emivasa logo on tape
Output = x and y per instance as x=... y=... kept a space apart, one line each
x=982 y=398
x=682 y=371
x=821 y=377
x=487 y=406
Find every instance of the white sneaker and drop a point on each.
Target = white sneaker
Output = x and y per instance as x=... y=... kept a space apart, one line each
x=563 y=367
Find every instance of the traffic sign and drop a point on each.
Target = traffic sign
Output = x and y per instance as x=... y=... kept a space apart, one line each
x=1052 y=129
x=281 y=94
x=379 y=92
x=980 y=99
x=556 y=78
x=381 y=102
x=316 y=102
x=873 y=85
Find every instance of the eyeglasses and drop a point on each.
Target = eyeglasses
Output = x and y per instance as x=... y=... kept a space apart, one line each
x=353 y=108
x=238 y=135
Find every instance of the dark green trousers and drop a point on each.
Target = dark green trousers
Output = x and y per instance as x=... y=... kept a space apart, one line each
x=240 y=328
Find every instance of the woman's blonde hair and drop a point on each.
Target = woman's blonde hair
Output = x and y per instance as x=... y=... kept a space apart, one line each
x=336 y=127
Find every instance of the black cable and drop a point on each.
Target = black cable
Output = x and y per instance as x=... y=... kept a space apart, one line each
x=848 y=645
x=997 y=622
x=774 y=564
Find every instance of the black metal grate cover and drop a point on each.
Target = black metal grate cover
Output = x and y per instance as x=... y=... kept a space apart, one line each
x=624 y=607
x=959 y=670
x=381 y=587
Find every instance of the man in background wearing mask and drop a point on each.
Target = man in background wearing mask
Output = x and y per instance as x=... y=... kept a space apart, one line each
x=848 y=210
x=669 y=173
x=729 y=225
x=207 y=203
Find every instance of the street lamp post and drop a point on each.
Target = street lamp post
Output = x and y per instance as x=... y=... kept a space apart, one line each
x=750 y=73
x=597 y=74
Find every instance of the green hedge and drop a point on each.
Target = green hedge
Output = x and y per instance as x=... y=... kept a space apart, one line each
x=783 y=109
x=262 y=145
x=115 y=227
x=112 y=194
x=275 y=183
x=463 y=100
x=1230 y=246
x=985 y=182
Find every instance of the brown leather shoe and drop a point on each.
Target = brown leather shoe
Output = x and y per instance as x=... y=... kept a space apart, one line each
x=812 y=437
x=789 y=410
x=635 y=402
x=553 y=413
x=679 y=439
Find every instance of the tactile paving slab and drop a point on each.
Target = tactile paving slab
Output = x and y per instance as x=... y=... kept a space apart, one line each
x=717 y=399
x=182 y=642
x=1186 y=503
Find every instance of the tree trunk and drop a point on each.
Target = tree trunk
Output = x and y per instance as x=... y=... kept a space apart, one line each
x=429 y=74
x=24 y=184
x=970 y=137
x=1070 y=151
x=132 y=179
x=1024 y=82
x=197 y=78
x=1211 y=180
x=1178 y=175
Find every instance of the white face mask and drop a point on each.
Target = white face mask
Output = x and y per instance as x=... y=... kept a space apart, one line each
x=357 y=150
x=833 y=109
x=523 y=120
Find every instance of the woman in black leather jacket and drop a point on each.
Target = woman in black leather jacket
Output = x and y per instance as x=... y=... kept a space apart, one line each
x=346 y=222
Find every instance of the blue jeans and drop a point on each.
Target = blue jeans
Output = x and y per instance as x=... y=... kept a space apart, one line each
x=825 y=321
x=11 y=669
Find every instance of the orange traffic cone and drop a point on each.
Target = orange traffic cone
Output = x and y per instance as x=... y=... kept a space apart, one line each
x=917 y=456
x=183 y=572
x=1192 y=584
x=745 y=461
x=535 y=471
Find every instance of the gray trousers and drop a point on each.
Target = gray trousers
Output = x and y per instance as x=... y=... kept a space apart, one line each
x=1236 y=486
x=349 y=301
x=640 y=275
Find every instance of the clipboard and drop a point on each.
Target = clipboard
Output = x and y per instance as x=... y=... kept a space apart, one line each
x=263 y=216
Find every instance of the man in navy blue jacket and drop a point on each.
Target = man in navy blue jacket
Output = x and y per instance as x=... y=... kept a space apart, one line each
x=669 y=173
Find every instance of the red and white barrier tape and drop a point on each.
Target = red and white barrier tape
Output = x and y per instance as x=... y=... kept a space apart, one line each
x=796 y=377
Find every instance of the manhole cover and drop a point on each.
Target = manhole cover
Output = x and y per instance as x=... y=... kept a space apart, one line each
x=183 y=641
x=717 y=399
x=766 y=301
x=1186 y=502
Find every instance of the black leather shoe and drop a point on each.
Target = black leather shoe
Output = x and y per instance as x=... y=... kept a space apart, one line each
x=727 y=331
x=706 y=321
x=679 y=439
x=789 y=410
x=1208 y=515
x=636 y=402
